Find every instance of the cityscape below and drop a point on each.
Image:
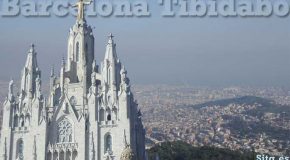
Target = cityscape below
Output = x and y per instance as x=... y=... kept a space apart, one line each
x=236 y=118
x=209 y=88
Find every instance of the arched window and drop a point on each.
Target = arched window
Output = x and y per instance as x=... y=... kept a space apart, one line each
x=19 y=149
x=64 y=131
x=55 y=155
x=49 y=155
x=109 y=114
x=108 y=142
x=68 y=155
x=61 y=155
x=102 y=115
x=74 y=155
x=16 y=121
x=27 y=120
x=77 y=51
x=86 y=49
x=109 y=75
x=109 y=117
x=22 y=120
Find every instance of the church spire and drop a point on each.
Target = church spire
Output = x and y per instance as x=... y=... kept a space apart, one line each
x=10 y=92
x=30 y=73
x=31 y=61
x=52 y=71
x=62 y=75
x=111 y=54
x=111 y=63
x=52 y=78
x=80 y=49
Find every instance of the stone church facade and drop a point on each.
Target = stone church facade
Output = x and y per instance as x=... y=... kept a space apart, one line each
x=89 y=114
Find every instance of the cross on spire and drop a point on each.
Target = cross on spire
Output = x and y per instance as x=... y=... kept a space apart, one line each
x=111 y=36
x=32 y=46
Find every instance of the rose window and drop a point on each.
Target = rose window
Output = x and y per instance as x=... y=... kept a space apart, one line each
x=64 y=131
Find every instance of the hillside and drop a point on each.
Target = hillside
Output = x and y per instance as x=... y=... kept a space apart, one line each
x=182 y=151
x=246 y=100
x=265 y=105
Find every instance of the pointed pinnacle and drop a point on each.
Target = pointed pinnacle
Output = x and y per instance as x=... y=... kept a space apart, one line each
x=52 y=71
x=32 y=46
x=62 y=61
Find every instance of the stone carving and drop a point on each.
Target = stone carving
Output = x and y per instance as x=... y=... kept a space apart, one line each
x=80 y=5
x=127 y=154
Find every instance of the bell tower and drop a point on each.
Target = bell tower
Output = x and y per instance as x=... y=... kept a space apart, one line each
x=80 y=54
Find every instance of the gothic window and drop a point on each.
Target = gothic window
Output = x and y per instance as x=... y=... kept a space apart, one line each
x=77 y=51
x=68 y=155
x=108 y=143
x=61 y=155
x=19 y=149
x=98 y=82
x=64 y=131
x=109 y=117
x=87 y=125
x=109 y=75
x=74 y=155
x=49 y=156
x=16 y=121
x=102 y=114
x=27 y=120
x=55 y=155
x=22 y=120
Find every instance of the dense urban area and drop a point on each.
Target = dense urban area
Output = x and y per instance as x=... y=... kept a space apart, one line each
x=238 y=118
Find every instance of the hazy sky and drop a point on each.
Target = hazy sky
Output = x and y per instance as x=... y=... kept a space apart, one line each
x=197 y=51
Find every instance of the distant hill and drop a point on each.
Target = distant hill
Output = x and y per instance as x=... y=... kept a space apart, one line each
x=182 y=151
x=247 y=100
x=266 y=105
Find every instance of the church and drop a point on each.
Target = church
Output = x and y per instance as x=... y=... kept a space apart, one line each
x=89 y=114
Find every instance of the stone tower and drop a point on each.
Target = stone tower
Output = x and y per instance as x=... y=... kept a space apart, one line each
x=24 y=116
x=90 y=112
